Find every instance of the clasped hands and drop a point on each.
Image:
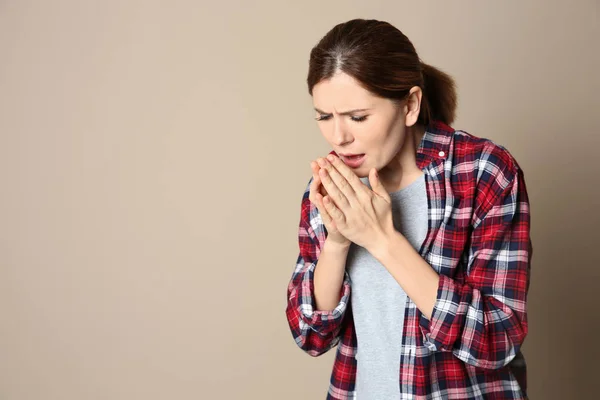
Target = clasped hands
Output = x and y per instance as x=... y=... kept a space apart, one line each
x=351 y=211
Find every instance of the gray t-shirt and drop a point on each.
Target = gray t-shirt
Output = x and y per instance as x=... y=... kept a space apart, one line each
x=378 y=301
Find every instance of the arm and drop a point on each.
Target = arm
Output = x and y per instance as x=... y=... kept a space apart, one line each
x=482 y=321
x=315 y=330
x=329 y=275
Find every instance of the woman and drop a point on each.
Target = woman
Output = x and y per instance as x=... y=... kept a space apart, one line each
x=414 y=237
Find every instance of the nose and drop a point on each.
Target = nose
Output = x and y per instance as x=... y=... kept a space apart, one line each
x=340 y=135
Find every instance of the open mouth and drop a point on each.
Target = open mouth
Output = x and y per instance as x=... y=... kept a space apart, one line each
x=353 y=161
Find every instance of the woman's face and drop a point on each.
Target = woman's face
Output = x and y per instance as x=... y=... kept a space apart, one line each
x=354 y=121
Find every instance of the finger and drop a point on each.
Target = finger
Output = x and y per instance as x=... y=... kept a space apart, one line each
x=342 y=194
x=314 y=167
x=338 y=197
x=313 y=189
x=323 y=210
x=353 y=180
x=334 y=212
x=321 y=188
x=318 y=184
x=377 y=185
x=342 y=183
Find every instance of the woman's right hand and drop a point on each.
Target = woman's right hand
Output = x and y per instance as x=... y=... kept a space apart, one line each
x=317 y=192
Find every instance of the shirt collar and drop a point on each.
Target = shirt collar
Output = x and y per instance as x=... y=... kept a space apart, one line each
x=434 y=144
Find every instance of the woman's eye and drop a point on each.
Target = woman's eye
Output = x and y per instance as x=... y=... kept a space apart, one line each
x=355 y=119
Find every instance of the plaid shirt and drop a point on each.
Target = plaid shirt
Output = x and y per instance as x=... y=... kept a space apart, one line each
x=478 y=242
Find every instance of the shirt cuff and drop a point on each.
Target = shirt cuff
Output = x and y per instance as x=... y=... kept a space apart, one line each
x=323 y=322
x=436 y=330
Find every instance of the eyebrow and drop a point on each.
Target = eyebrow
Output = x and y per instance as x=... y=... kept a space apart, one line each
x=345 y=112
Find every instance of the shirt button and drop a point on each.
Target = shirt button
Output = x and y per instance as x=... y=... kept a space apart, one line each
x=441 y=154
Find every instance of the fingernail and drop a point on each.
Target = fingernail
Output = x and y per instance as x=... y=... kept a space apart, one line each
x=322 y=162
x=331 y=158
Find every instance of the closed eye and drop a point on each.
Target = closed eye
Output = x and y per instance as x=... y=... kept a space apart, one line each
x=327 y=117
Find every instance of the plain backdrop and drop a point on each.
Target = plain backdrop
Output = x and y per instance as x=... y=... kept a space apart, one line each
x=153 y=156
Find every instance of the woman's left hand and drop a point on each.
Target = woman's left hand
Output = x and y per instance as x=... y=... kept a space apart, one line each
x=362 y=215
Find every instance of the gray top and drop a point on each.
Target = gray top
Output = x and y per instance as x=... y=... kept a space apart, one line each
x=378 y=301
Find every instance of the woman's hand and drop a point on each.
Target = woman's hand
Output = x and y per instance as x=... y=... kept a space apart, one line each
x=362 y=215
x=317 y=192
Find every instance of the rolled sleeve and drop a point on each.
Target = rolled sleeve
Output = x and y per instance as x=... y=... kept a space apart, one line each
x=445 y=312
x=323 y=322
x=483 y=320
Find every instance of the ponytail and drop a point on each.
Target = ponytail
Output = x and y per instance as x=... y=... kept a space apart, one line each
x=439 y=96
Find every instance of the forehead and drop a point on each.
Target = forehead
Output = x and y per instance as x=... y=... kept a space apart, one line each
x=342 y=92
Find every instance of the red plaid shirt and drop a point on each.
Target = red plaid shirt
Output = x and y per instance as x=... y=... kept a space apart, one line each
x=478 y=242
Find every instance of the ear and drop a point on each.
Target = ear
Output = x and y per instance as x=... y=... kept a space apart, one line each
x=413 y=105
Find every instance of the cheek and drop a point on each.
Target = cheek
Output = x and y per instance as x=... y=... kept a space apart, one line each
x=387 y=146
x=378 y=137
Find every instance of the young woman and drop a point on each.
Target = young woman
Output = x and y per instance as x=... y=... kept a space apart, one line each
x=414 y=237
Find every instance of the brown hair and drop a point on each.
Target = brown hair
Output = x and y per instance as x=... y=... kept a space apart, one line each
x=384 y=61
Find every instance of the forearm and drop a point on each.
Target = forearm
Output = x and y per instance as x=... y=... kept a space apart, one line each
x=416 y=277
x=329 y=275
x=316 y=329
x=496 y=329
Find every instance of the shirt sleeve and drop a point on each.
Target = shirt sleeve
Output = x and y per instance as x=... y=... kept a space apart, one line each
x=315 y=331
x=483 y=320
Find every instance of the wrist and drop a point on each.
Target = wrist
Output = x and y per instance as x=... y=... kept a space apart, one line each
x=381 y=247
x=337 y=246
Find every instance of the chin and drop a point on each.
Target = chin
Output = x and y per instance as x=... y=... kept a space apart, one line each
x=362 y=172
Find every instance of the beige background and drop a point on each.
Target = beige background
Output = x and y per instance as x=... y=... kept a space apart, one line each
x=152 y=161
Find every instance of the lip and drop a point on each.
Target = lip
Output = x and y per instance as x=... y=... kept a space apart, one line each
x=353 y=163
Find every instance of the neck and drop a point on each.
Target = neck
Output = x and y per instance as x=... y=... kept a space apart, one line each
x=403 y=170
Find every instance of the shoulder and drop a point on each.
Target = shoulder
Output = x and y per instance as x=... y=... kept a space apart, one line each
x=486 y=154
x=490 y=163
x=468 y=152
x=486 y=170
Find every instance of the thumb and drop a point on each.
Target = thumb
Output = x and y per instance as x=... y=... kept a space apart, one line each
x=376 y=184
